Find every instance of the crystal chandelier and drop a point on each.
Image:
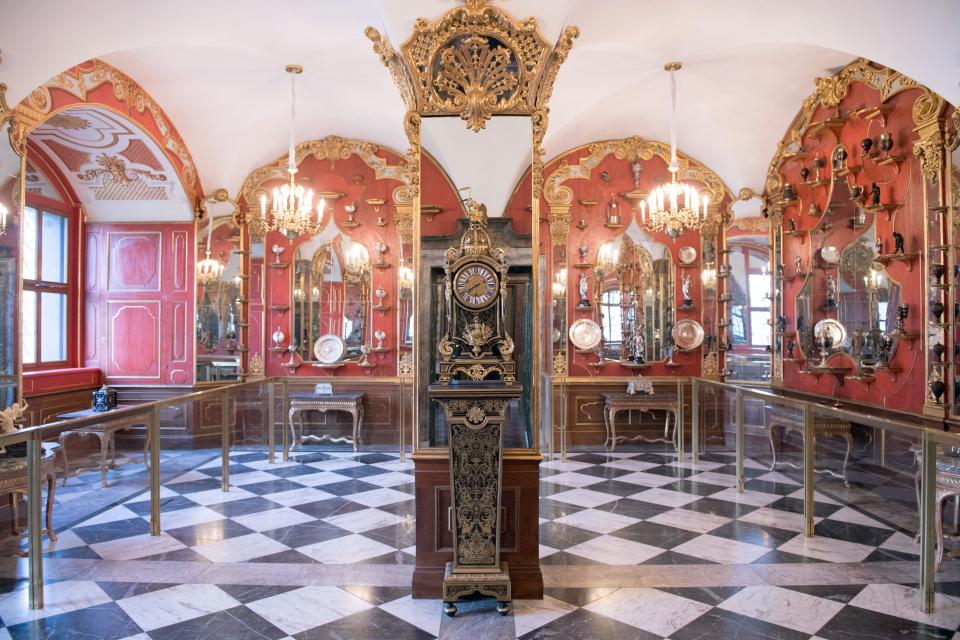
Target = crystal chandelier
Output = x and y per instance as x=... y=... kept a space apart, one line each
x=674 y=207
x=291 y=212
x=209 y=269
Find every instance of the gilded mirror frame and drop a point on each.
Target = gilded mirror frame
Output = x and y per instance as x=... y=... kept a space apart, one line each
x=16 y=138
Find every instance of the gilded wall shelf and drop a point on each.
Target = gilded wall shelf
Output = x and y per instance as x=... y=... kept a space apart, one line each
x=430 y=210
x=692 y=265
x=840 y=373
x=382 y=266
x=583 y=265
x=817 y=183
x=278 y=265
x=278 y=349
x=279 y=307
x=890 y=370
x=909 y=338
x=869 y=113
x=797 y=233
x=330 y=366
x=887 y=258
x=833 y=125
x=291 y=366
x=633 y=365
x=883 y=161
x=853 y=169
x=866 y=378
x=887 y=209
x=381 y=308
x=689 y=307
x=381 y=350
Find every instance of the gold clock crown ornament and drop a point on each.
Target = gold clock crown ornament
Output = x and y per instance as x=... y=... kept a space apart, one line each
x=475 y=344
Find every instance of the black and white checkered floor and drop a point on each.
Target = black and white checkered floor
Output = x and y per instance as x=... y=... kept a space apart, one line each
x=293 y=549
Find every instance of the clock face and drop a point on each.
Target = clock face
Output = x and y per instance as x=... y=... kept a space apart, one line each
x=475 y=285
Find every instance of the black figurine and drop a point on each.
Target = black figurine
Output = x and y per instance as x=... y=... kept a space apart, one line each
x=788 y=192
x=875 y=194
x=791 y=345
x=804 y=173
x=879 y=246
x=781 y=324
x=897 y=243
x=866 y=144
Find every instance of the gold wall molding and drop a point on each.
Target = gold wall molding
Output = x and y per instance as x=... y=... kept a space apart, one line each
x=633 y=148
x=758 y=224
x=929 y=150
x=330 y=148
x=475 y=61
x=829 y=92
x=79 y=81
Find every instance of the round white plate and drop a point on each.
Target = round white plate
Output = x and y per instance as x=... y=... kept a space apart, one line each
x=687 y=255
x=329 y=349
x=585 y=334
x=835 y=329
x=688 y=334
x=830 y=255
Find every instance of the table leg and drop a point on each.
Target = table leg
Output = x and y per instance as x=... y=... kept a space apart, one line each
x=293 y=435
x=354 y=414
x=63 y=451
x=360 y=424
x=104 y=447
x=15 y=514
x=51 y=491
x=613 y=430
x=773 y=447
x=606 y=424
x=146 y=449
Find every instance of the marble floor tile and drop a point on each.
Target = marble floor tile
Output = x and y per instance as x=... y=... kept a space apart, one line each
x=265 y=464
x=395 y=465
x=749 y=497
x=568 y=465
x=777 y=477
x=238 y=623
x=583 y=497
x=169 y=606
x=145 y=496
x=901 y=601
x=189 y=476
x=712 y=477
x=345 y=550
x=302 y=609
x=652 y=610
x=113 y=514
x=702 y=465
x=218 y=496
x=390 y=479
x=139 y=546
x=378 y=497
x=852 y=516
x=546 y=551
x=629 y=465
x=596 y=520
x=296 y=497
x=826 y=549
x=533 y=614
x=689 y=520
x=250 y=477
x=783 y=607
x=817 y=497
x=319 y=479
x=187 y=517
x=722 y=550
x=59 y=597
x=273 y=519
x=572 y=479
x=335 y=464
x=902 y=543
x=777 y=518
x=240 y=548
x=364 y=520
x=615 y=551
x=421 y=613
x=645 y=479
x=665 y=497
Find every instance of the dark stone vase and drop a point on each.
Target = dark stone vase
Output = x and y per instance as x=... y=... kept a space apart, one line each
x=938 y=387
x=866 y=144
x=938 y=350
x=936 y=308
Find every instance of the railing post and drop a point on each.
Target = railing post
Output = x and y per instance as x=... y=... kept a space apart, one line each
x=928 y=506
x=154 y=437
x=808 y=449
x=695 y=420
x=225 y=441
x=271 y=409
x=682 y=419
x=403 y=421
x=35 y=519
x=284 y=438
x=739 y=437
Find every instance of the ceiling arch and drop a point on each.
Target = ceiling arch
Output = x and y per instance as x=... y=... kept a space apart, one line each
x=217 y=67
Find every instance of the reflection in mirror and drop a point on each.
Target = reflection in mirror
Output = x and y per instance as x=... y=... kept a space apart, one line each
x=847 y=283
x=331 y=294
x=219 y=312
x=635 y=301
x=750 y=308
x=10 y=172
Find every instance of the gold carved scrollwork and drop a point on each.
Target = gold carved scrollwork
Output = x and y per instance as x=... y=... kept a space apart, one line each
x=927 y=108
x=560 y=364
x=711 y=366
x=559 y=220
x=929 y=150
x=474 y=61
x=630 y=149
x=331 y=148
x=405 y=365
x=829 y=92
x=538 y=121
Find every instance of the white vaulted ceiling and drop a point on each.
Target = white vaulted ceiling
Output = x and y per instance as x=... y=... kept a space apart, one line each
x=216 y=67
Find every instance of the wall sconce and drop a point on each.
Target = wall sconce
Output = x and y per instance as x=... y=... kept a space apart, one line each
x=613 y=213
x=709 y=277
x=358 y=259
x=405 y=276
x=559 y=287
x=607 y=258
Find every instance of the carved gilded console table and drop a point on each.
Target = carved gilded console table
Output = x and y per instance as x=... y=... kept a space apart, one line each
x=105 y=431
x=615 y=403
x=822 y=428
x=351 y=403
x=948 y=486
x=475 y=414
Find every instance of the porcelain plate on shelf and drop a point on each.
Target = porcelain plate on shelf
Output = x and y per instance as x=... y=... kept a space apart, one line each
x=585 y=334
x=687 y=255
x=688 y=334
x=329 y=348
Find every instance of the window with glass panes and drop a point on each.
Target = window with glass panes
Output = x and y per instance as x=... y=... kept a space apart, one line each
x=46 y=281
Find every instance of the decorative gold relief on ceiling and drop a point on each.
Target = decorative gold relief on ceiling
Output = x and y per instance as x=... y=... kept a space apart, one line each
x=475 y=61
x=65 y=120
x=117 y=181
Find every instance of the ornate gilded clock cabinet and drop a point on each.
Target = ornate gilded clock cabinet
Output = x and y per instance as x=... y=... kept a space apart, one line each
x=476 y=383
x=478 y=363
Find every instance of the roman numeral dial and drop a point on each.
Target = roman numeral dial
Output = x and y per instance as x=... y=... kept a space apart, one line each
x=475 y=286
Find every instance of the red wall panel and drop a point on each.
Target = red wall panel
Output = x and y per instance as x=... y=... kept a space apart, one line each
x=139 y=303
